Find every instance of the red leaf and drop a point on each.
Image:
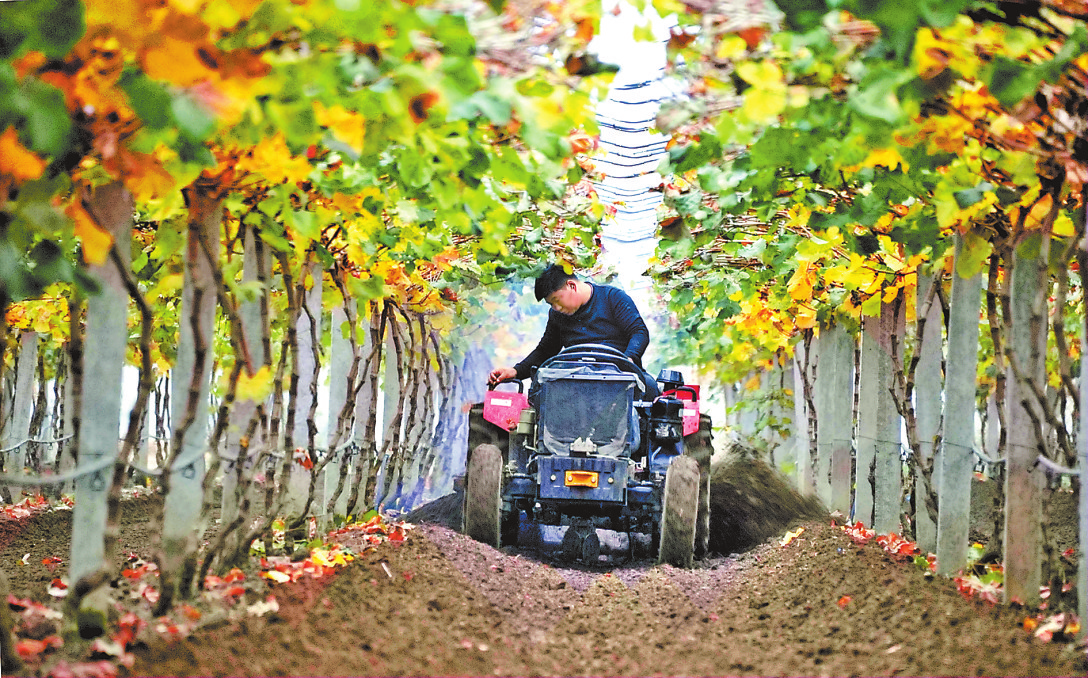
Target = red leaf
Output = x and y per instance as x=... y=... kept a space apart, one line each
x=752 y=35
x=29 y=649
x=844 y=601
x=234 y=575
x=420 y=105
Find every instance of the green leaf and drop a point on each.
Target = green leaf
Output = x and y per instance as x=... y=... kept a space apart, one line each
x=878 y=99
x=193 y=121
x=697 y=155
x=974 y=254
x=150 y=100
x=46 y=116
x=970 y=196
x=1010 y=80
x=51 y=27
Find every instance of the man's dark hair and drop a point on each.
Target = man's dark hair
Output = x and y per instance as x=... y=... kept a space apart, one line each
x=553 y=277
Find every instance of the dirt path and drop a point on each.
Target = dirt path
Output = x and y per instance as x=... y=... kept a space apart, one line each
x=443 y=604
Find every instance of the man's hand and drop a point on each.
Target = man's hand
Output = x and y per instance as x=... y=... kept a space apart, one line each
x=501 y=374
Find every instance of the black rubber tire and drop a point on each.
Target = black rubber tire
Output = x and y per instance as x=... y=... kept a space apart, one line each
x=700 y=446
x=679 y=511
x=591 y=549
x=569 y=548
x=483 y=499
x=510 y=526
x=482 y=431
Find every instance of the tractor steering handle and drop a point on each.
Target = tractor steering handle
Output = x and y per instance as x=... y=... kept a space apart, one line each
x=597 y=351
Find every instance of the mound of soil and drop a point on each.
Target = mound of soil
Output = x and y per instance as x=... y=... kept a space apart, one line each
x=750 y=502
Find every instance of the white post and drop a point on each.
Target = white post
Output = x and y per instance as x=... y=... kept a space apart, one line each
x=103 y=363
x=19 y=430
x=888 y=476
x=1023 y=487
x=184 y=501
x=956 y=458
x=298 y=481
x=927 y=391
x=1082 y=590
x=340 y=358
x=249 y=313
x=835 y=407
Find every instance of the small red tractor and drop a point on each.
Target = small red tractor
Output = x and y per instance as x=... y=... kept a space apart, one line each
x=585 y=449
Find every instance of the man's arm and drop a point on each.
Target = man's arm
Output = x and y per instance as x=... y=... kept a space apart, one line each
x=550 y=344
x=627 y=317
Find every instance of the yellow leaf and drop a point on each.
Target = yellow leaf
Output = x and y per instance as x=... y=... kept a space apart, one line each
x=753 y=383
x=347 y=126
x=805 y=318
x=274 y=161
x=96 y=240
x=800 y=284
x=763 y=104
x=1063 y=226
x=256 y=388
x=760 y=73
x=276 y=576
x=16 y=161
x=731 y=47
x=645 y=33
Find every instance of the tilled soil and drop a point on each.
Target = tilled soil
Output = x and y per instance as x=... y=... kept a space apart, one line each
x=443 y=604
x=451 y=606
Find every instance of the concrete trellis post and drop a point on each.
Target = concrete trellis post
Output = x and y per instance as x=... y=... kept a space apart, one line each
x=834 y=406
x=365 y=403
x=804 y=358
x=298 y=481
x=186 y=476
x=105 y=341
x=249 y=313
x=927 y=392
x=888 y=477
x=956 y=458
x=1023 y=488
x=1082 y=591
x=872 y=379
x=19 y=428
x=879 y=441
x=339 y=364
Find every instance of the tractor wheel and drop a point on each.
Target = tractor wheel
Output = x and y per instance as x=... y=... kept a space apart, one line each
x=591 y=549
x=483 y=499
x=510 y=526
x=699 y=446
x=679 y=510
x=482 y=431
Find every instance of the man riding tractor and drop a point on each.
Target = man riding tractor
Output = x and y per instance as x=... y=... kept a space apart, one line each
x=597 y=443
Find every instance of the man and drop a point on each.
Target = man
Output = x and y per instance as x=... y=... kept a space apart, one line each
x=583 y=313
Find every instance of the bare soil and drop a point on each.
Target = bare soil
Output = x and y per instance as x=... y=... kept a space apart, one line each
x=442 y=604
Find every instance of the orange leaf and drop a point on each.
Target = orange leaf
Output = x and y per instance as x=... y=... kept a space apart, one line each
x=191 y=612
x=96 y=240
x=15 y=160
x=176 y=61
x=844 y=601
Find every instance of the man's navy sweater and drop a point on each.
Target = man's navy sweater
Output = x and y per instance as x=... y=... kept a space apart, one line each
x=610 y=317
